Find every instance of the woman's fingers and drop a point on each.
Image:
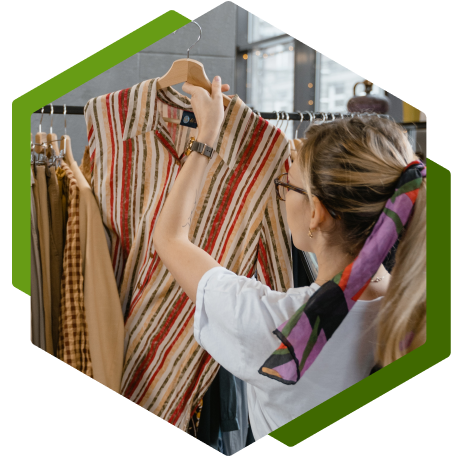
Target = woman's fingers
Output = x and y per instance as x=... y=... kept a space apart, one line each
x=216 y=92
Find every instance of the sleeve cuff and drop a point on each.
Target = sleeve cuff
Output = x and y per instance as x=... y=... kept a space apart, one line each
x=200 y=316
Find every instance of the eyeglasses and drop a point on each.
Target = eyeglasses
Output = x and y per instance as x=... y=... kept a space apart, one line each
x=282 y=187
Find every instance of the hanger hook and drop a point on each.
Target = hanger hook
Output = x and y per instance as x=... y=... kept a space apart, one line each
x=288 y=119
x=65 y=117
x=52 y=116
x=279 y=125
x=41 y=119
x=311 y=116
x=277 y=118
x=198 y=39
x=301 y=120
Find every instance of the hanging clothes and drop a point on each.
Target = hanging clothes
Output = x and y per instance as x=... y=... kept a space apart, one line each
x=219 y=412
x=42 y=212
x=56 y=249
x=36 y=288
x=73 y=345
x=235 y=440
x=105 y=323
x=135 y=158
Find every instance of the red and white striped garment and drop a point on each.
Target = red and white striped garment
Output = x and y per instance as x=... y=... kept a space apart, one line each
x=135 y=158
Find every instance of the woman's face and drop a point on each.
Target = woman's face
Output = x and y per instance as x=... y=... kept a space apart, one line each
x=298 y=211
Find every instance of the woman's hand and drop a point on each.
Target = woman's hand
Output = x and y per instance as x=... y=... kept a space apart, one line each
x=208 y=109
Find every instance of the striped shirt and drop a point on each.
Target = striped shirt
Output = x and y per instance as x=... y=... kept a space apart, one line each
x=135 y=158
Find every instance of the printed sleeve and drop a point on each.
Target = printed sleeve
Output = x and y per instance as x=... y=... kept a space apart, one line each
x=235 y=317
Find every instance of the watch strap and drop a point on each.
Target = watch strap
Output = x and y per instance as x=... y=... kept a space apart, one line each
x=202 y=149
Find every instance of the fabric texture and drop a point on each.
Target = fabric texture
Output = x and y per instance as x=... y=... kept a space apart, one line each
x=102 y=307
x=135 y=158
x=237 y=332
x=304 y=335
x=56 y=250
x=73 y=345
x=42 y=207
x=36 y=290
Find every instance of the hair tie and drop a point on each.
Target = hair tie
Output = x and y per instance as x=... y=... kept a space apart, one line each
x=305 y=334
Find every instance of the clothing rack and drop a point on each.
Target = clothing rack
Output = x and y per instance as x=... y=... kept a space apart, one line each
x=279 y=115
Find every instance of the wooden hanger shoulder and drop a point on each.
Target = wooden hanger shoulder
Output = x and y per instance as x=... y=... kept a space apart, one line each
x=52 y=141
x=187 y=70
x=40 y=139
x=65 y=142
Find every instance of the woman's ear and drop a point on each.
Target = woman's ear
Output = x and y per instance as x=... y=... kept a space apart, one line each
x=319 y=214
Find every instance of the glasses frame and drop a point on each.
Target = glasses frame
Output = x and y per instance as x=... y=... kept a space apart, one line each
x=278 y=183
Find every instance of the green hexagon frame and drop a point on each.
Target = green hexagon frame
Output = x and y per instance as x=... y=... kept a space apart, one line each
x=438 y=345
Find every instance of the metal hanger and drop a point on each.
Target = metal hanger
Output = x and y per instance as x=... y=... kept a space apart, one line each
x=286 y=117
x=62 y=150
x=50 y=139
x=279 y=125
x=300 y=123
x=277 y=118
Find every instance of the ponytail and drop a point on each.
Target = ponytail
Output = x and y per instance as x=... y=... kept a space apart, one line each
x=402 y=318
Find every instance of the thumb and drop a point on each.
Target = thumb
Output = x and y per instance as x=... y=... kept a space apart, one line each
x=216 y=87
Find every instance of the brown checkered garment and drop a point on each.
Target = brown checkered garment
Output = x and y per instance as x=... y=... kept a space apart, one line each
x=73 y=346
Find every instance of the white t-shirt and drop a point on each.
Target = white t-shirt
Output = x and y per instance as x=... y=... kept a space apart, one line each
x=234 y=320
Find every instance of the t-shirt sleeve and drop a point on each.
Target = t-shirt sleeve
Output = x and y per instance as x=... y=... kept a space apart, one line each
x=235 y=317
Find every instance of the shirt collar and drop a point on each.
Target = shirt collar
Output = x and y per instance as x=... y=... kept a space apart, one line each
x=143 y=114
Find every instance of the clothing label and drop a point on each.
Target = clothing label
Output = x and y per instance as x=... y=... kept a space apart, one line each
x=188 y=119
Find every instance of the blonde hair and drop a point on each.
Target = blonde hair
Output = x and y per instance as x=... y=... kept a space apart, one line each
x=352 y=166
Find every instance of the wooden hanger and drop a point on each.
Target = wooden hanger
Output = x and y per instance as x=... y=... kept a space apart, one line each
x=65 y=145
x=187 y=70
x=40 y=137
x=51 y=139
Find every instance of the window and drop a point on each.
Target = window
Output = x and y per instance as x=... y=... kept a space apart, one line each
x=336 y=85
x=269 y=55
x=270 y=81
x=259 y=30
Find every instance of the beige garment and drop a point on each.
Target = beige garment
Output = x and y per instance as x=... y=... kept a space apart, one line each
x=41 y=202
x=85 y=165
x=56 y=250
x=60 y=174
x=104 y=318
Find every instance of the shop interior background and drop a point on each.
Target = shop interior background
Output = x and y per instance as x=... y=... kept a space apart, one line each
x=268 y=69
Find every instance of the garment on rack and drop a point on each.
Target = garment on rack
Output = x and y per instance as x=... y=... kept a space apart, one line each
x=136 y=157
x=102 y=307
x=36 y=288
x=42 y=208
x=194 y=422
x=219 y=413
x=73 y=345
x=56 y=250
x=60 y=174
x=235 y=440
x=85 y=165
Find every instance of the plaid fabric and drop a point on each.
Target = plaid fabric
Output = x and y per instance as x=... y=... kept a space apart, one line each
x=305 y=334
x=73 y=345
x=135 y=158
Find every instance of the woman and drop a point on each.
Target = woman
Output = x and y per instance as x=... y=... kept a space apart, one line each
x=343 y=203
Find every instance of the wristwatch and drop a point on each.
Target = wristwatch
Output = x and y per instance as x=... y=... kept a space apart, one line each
x=201 y=148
